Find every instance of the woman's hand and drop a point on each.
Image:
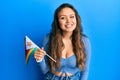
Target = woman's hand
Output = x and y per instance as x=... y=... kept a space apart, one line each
x=39 y=54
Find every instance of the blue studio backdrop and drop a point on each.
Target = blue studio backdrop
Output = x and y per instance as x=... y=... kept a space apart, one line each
x=100 y=20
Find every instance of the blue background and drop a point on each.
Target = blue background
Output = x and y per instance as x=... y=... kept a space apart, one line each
x=100 y=20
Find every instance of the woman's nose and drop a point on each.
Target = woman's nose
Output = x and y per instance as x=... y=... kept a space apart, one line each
x=68 y=20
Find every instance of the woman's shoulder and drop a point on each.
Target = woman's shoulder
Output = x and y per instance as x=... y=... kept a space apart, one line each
x=47 y=36
x=45 y=39
x=85 y=39
x=87 y=45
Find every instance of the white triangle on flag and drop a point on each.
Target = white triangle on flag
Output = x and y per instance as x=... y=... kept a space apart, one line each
x=29 y=43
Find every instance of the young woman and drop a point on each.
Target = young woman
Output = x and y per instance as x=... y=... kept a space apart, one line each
x=67 y=45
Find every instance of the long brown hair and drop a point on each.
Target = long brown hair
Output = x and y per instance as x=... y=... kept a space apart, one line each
x=55 y=44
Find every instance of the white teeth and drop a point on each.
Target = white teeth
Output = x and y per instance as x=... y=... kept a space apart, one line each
x=69 y=25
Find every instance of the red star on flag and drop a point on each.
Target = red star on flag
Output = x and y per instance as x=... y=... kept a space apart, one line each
x=29 y=44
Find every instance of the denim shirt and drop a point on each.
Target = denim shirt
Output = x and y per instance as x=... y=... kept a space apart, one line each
x=68 y=64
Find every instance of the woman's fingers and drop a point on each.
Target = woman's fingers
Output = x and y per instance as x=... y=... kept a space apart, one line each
x=39 y=54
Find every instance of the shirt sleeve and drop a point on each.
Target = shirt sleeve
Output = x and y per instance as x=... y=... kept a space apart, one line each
x=43 y=65
x=84 y=73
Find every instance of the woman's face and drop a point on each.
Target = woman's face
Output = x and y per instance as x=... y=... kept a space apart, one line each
x=67 y=19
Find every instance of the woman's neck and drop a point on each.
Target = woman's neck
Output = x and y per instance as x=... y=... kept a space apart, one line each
x=67 y=35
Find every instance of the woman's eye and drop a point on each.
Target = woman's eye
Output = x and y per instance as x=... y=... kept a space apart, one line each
x=62 y=18
x=72 y=16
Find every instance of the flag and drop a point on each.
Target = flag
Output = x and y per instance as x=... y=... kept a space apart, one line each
x=30 y=48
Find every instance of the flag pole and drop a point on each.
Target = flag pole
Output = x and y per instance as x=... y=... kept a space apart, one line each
x=50 y=57
x=47 y=55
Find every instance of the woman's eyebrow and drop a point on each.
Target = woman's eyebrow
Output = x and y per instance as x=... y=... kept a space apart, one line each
x=65 y=15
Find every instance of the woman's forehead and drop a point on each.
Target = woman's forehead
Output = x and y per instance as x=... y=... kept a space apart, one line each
x=66 y=11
